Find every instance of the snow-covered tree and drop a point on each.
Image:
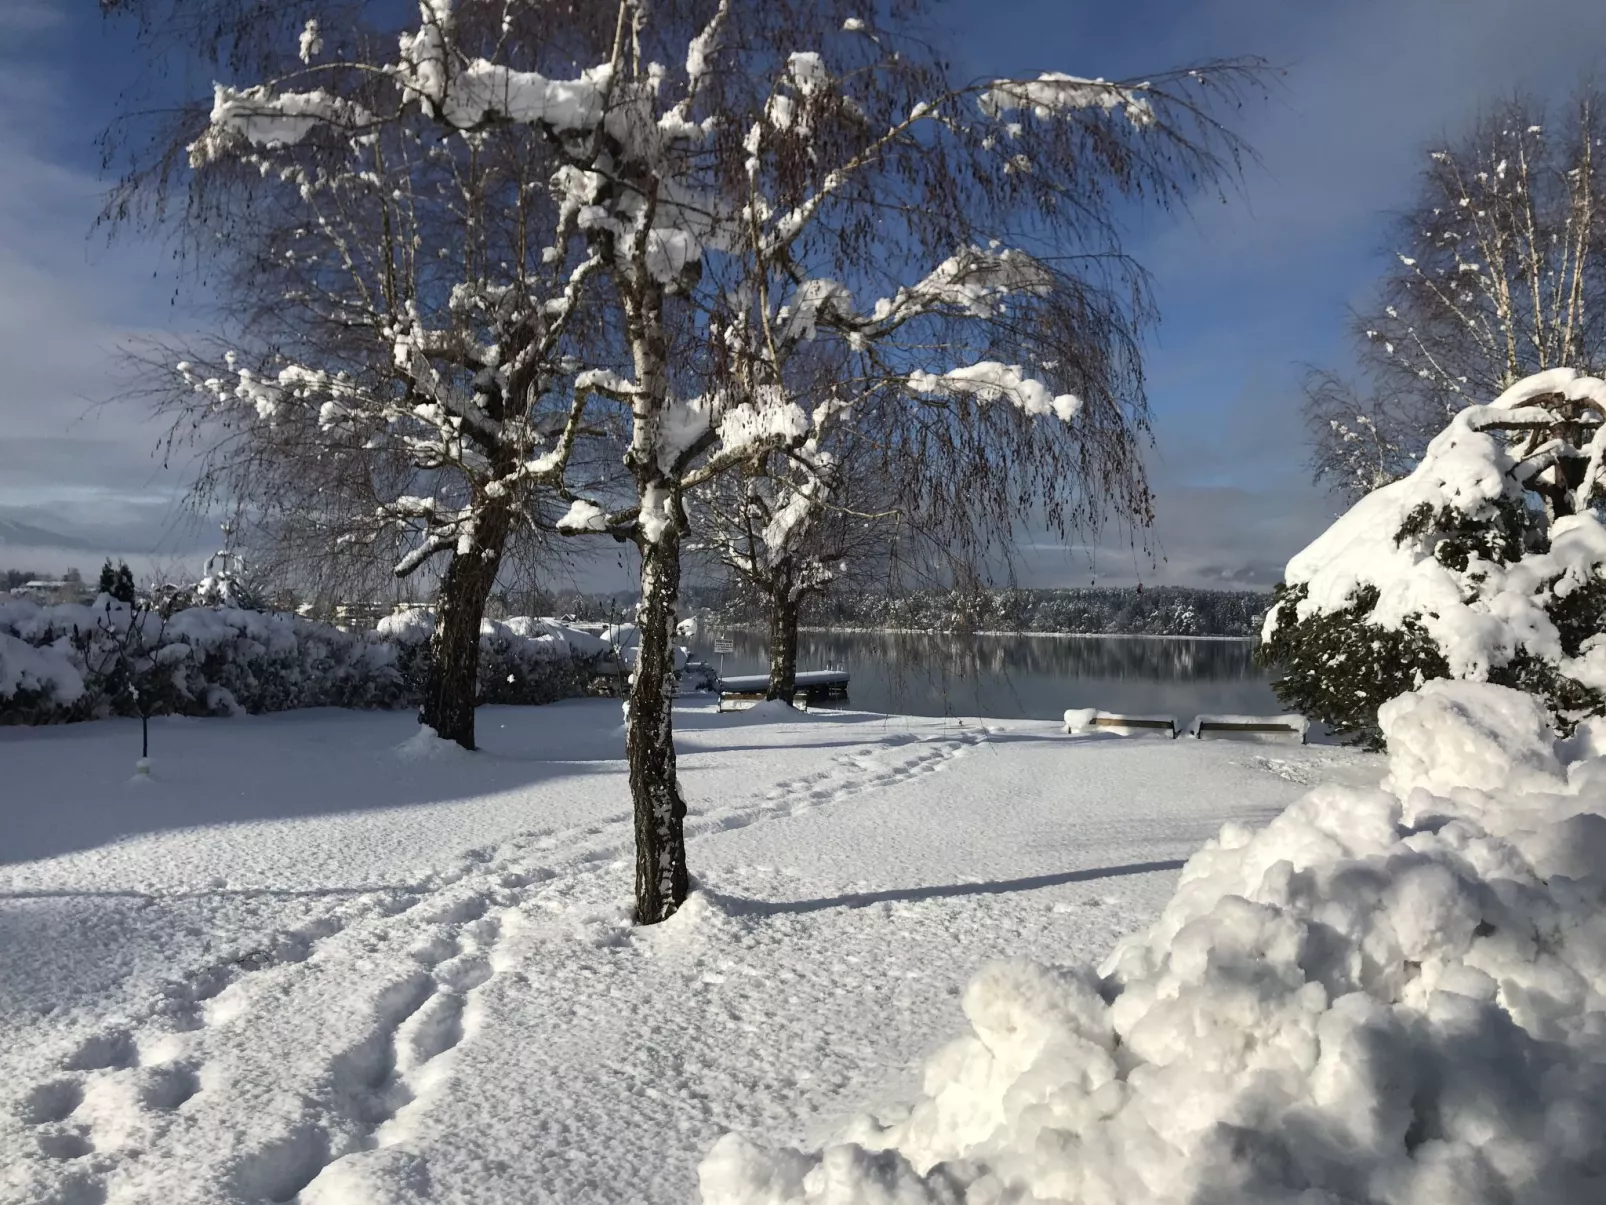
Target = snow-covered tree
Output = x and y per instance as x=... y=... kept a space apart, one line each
x=1499 y=272
x=1487 y=562
x=116 y=583
x=791 y=527
x=397 y=375
x=714 y=187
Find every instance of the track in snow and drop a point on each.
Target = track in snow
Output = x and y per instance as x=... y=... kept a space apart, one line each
x=139 y=1075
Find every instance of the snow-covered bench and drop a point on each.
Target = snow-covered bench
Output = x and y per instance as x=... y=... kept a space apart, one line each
x=1088 y=719
x=814 y=688
x=1250 y=725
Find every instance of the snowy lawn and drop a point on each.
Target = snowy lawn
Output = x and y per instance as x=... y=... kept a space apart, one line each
x=313 y=959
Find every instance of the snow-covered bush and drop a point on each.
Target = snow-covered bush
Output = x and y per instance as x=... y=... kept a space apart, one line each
x=70 y=662
x=522 y=659
x=1486 y=563
x=198 y=661
x=1394 y=996
x=35 y=682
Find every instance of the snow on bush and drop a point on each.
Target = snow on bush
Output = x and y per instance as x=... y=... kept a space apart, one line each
x=522 y=659
x=69 y=661
x=1394 y=995
x=1486 y=563
x=36 y=681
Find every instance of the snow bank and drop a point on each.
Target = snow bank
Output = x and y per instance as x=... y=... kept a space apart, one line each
x=1393 y=995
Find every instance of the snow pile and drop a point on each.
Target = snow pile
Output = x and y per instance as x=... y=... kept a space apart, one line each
x=1479 y=611
x=1393 y=995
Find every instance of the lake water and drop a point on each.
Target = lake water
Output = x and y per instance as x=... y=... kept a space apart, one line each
x=1032 y=677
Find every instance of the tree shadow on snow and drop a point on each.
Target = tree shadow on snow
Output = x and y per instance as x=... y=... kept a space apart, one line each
x=70 y=788
x=738 y=905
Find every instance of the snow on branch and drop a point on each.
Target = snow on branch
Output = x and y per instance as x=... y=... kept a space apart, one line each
x=261 y=117
x=989 y=381
x=972 y=281
x=583 y=516
x=1488 y=605
x=1054 y=93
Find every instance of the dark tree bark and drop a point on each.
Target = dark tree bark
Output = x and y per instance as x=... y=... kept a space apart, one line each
x=783 y=606
x=660 y=811
x=452 y=688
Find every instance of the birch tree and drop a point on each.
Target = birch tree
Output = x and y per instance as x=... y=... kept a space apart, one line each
x=725 y=179
x=1499 y=271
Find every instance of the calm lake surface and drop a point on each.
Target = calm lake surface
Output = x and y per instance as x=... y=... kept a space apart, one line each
x=1031 y=677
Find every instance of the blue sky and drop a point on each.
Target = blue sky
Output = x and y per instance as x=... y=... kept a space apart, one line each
x=1249 y=291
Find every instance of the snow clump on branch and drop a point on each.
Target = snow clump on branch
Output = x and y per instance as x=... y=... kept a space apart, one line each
x=989 y=380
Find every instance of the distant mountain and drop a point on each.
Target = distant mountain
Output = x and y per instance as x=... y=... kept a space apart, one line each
x=14 y=534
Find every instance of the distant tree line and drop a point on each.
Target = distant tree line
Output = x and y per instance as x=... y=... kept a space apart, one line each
x=1124 y=610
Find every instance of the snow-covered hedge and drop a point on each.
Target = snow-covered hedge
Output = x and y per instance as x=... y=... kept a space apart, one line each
x=522 y=659
x=1394 y=995
x=71 y=662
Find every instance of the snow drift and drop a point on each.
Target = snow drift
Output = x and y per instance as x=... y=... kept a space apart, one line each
x=1390 y=995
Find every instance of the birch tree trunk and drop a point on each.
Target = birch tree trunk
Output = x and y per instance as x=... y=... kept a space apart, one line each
x=659 y=808
x=453 y=682
x=783 y=635
x=660 y=811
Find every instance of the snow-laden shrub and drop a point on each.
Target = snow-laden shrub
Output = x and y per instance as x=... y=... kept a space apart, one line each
x=198 y=661
x=1486 y=563
x=522 y=659
x=73 y=662
x=36 y=682
x=1394 y=996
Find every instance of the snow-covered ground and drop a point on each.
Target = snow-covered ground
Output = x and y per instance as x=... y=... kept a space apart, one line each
x=316 y=959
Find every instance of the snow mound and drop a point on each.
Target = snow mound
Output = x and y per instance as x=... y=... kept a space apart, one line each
x=47 y=671
x=770 y=711
x=1391 y=996
x=428 y=745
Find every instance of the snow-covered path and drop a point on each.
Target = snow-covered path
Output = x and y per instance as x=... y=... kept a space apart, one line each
x=306 y=964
